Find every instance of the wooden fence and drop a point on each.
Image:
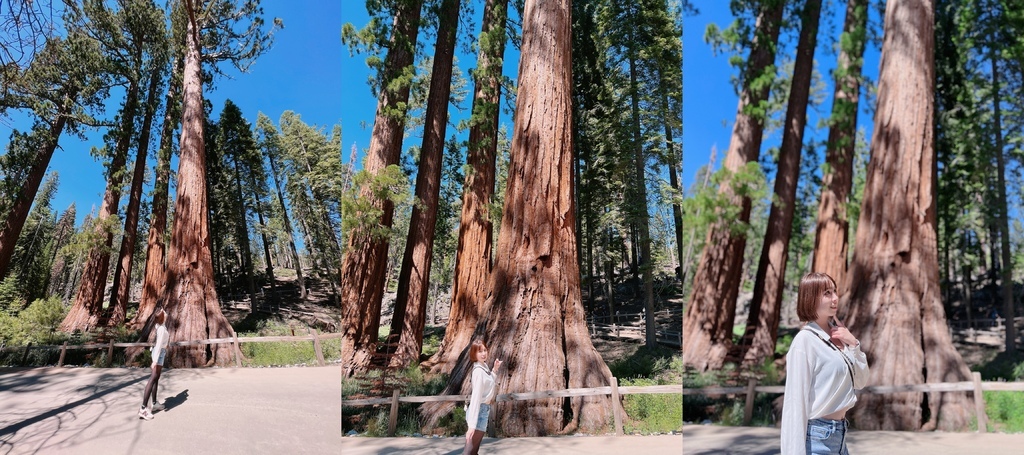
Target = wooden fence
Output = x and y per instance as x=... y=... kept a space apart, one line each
x=975 y=385
x=614 y=390
x=235 y=341
x=624 y=326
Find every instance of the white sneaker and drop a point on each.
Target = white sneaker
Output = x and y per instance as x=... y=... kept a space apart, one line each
x=145 y=413
x=157 y=406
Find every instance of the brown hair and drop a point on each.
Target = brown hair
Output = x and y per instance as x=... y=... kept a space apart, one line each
x=160 y=316
x=812 y=287
x=474 y=350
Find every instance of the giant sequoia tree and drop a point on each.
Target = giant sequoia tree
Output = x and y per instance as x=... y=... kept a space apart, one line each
x=365 y=259
x=711 y=308
x=536 y=323
x=190 y=296
x=473 y=258
x=893 y=288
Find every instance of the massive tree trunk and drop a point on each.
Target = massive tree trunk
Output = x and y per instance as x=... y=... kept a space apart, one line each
x=190 y=296
x=85 y=312
x=414 y=278
x=473 y=257
x=536 y=322
x=363 y=265
x=831 y=238
x=893 y=288
x=711 y=309
x=1006 y=277
x=153 y=281
x=123 y=267
x=766 y=305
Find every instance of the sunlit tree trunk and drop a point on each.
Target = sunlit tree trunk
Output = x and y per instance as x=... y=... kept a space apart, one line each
x=190 y=296
x=363 y=265
x=123 y=267
x=893 y=291
x=473 y=256
x=711 y=309
x=414 y=279
x=831 y=239
x=765 y=307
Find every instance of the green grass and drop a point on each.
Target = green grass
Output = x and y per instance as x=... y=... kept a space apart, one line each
x=1005 y=411
x=285 y=352
x=652 y=413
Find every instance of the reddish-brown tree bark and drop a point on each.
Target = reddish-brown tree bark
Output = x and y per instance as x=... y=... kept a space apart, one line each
x=123 y=266
x=536 y=323
x=893 y=298
x=711 y=309
x=831 y=239
x=153 y=281
x=85 y=312
x=189 y=295
x=473 y=257
x=765 y=307
x=414 y=278
x=363 y=265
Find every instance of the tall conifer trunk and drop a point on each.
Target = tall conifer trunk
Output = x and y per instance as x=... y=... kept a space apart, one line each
x=711 y=309
x=363 y=265
x=119 y=294
x=153 y=283
x=190 y=296
x=473 y=256
x=763 y=322
x=831 y=239
x=414 y=278
x=85 y=312
x=893 y=299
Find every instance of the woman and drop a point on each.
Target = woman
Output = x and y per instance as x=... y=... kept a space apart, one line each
x=159 y=354
x=482 y=397
x=823 y=367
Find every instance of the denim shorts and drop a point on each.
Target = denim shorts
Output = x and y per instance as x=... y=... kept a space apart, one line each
x=481 y=417
x=160 y=360
x=826 y=437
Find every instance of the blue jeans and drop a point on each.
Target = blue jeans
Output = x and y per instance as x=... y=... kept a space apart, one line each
x=826 y=437
x=481 y=418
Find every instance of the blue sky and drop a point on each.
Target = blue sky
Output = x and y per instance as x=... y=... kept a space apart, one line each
x=709 y=100
x=299 y=73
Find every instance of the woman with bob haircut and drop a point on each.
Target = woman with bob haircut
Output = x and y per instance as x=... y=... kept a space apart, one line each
x=159 y=354
x=823 y=368
x=481 y=399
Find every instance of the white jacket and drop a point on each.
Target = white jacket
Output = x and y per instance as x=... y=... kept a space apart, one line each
x=483 y=392
x=818 y=383
x=161 y=341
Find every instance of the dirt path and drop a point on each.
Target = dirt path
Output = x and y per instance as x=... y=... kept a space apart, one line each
x=215 y=410
x=719 y=440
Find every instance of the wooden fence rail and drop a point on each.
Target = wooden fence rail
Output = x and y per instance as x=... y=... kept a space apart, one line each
x=313 y=336
x=614 y=390
x=975 y=385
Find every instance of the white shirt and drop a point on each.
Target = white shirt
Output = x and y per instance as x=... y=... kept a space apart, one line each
x=483 y=392
x=161 y=341
x=818 y=383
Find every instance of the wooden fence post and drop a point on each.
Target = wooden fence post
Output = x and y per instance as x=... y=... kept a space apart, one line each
x=317 y=349
x=24 y=357
x=979 y=403
x=110 y=353
x=238 y=351
x=393 y=419
x=748 y=409
x=616 y=409
x=63 y=350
